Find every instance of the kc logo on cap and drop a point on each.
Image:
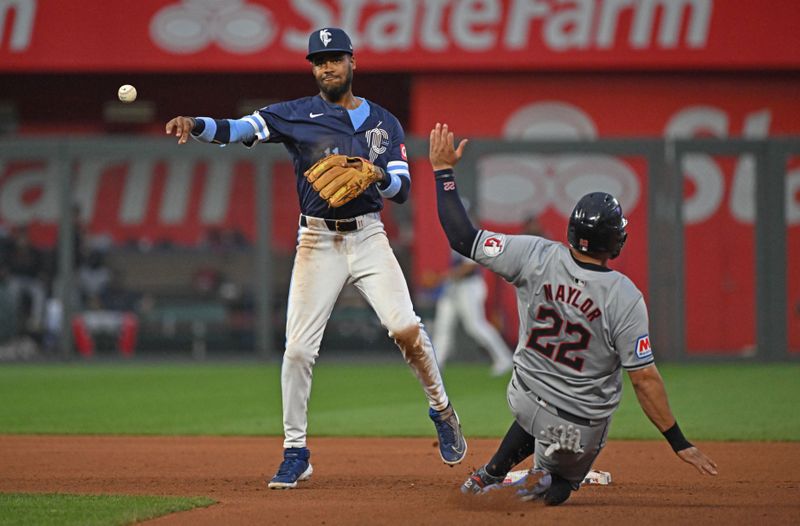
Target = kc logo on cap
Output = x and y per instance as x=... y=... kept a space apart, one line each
x=329 y=39
x=325 y=36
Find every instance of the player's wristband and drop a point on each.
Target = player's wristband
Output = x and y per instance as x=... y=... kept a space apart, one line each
x=385 y=179
x=198 y=126
x=446 y=173
x=675 y=437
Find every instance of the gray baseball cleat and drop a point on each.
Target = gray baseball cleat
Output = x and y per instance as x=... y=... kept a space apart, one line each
x=480 y=482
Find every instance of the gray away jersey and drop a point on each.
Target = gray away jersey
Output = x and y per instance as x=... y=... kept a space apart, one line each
x=578 y=327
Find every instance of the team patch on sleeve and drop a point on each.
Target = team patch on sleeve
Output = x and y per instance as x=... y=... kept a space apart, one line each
x=643 y=349
x=494 y=245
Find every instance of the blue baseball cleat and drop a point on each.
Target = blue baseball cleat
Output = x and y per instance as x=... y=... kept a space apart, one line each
x=452 y=446
x=294 y=468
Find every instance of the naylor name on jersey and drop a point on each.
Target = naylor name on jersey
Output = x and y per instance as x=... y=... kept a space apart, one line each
x=572 y=296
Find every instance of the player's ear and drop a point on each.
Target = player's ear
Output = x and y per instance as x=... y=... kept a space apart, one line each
x=353 y=61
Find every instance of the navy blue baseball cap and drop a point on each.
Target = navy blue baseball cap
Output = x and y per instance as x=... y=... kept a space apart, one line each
x=328 y=39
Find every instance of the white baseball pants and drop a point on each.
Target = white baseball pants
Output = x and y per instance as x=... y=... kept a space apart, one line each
x=325 y=261
x=464 y=299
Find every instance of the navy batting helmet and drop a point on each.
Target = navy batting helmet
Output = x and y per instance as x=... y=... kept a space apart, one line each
x=597 y=225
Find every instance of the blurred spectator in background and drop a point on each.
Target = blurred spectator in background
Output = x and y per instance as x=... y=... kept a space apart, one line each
x=96 y=314
x=94 y=278
x=27 y=280
x=8 y=310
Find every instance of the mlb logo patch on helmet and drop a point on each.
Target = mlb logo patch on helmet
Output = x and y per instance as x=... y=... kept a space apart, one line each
x=643 y=349
x=494 y=245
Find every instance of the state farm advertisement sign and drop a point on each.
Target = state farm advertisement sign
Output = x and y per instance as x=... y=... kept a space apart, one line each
x=719 y=207
x=399 y=35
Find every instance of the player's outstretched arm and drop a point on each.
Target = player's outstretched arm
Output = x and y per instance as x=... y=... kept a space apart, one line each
x=454 y=219
x=247 y=130
x=652 y=396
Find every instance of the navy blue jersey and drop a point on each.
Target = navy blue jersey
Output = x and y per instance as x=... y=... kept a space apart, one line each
x=311 y=128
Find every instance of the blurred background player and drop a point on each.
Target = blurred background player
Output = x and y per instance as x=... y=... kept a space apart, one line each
x=581 y=324
x=462 y=299
x=340 y=245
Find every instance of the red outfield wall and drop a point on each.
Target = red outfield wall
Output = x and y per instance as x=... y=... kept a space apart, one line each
x=165 y=200
x=719 y=206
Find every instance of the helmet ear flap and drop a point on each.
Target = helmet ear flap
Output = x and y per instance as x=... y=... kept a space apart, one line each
x=620 y=242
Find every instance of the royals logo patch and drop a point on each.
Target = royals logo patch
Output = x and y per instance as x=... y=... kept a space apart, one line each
x=494 y=245
x=377 y=141
x=643 y=349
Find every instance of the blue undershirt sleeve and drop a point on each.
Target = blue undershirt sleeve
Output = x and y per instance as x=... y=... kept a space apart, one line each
x=223 y=131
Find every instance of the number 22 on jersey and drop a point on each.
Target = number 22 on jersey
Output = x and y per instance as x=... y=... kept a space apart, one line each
x=574 y=339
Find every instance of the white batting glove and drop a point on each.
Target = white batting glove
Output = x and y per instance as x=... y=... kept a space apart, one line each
x=563 y=439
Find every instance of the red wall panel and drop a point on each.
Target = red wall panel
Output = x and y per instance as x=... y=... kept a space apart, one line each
x=719 y=207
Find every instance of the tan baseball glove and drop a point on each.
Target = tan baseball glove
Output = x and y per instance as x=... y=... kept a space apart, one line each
x=339 y=179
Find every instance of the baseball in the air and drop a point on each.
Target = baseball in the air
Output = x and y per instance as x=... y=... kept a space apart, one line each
x=127 y=93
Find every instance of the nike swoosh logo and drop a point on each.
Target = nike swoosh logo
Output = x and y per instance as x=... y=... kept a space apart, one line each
x=315 y=115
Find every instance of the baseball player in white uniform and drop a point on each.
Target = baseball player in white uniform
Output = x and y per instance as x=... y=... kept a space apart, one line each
x=337 y=245
x=462 y=299
x=581 y=324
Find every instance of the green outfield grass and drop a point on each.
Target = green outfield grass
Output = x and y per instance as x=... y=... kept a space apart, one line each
x=712 y=401
x=89 y=510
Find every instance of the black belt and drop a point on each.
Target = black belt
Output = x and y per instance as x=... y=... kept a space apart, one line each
x=337 y=225
x=560 y=412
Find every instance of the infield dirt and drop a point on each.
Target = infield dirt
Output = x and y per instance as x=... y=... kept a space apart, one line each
x=402 y=481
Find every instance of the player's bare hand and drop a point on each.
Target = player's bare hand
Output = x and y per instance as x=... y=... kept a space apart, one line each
x=699 y=460
x=443 y=152
x=181 y=127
